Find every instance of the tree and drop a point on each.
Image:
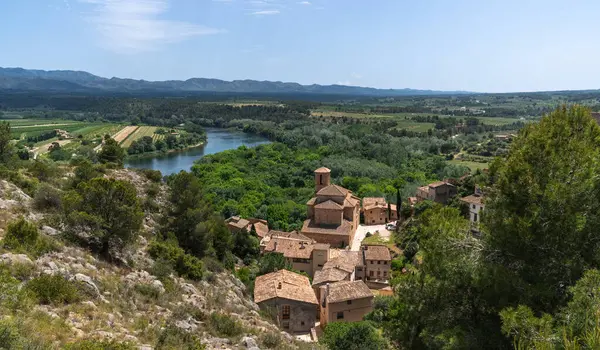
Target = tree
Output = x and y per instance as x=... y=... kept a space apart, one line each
x=111 y=152
x=246 y=245
x=542 y=217
x=6 y=148
x=352 y=336
x=271 y=262
x=105 y=214
x=398 y=205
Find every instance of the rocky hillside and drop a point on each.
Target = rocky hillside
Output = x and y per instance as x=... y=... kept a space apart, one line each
x=66 y=297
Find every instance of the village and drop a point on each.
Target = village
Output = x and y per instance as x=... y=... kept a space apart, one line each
x=338 y=273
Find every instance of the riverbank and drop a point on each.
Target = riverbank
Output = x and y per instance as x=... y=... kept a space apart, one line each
x=163 y=153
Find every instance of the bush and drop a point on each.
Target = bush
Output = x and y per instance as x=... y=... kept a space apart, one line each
x=12 y=296
x=172 y=338
x=185 y=264
x=47 y=197
x=224 y=325
x=153 y=190
x=99 y=345
x=23 y=236
x=20 y=233
x=54 y=290
x=271 y=340
x=152 y=175
x=147 y=290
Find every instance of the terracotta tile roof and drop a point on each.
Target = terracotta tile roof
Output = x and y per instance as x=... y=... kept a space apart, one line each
x=438 y=184
x=284 y=284
x=322 y=246
x=332 y=190
x=377 y=252
x=261 y=229
x=290 y=235
x=329 y=205
x=472 y=199
x=329 y=275
x=310 y=227
x=312 y=201
x=344 y=260
x=322 y=170
x=348 y=290
x=370 y=203
x=238 y=222
x=351 y=201
x=290 y=248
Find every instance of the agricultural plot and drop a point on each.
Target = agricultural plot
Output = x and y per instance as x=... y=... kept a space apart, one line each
x=139 y=133
x=124 y=133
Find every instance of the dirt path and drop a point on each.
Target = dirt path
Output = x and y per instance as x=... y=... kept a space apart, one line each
x=44 y=148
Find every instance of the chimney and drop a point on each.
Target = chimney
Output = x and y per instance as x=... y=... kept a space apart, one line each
x=275 y=246
x=302 y=245
x=279 y=285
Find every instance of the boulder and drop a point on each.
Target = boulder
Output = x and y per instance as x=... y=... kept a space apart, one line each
x=87 y=282
x=10 y=259
x=249 y=342
x=50 y=231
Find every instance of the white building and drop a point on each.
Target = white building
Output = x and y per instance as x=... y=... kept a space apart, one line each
x=476 y=205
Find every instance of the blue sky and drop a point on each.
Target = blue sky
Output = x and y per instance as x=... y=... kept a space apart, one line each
x=487 y=46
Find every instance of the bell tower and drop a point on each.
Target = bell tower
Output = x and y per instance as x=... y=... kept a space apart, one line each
x=322 y=178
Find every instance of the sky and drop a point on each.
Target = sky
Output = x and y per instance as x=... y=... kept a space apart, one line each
x=481 y=46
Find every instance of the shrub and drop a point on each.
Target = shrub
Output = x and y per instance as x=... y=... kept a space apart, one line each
x=224 y=325
x=20 y=233
x=23 y=236
x=54 y=290
x=12 y=296
x=99 y=345
x=271 y=340
x=147 y=290
x=47 y=197
x=152 y=175
x=172 y=338
x=185 y=264
x=153 y=190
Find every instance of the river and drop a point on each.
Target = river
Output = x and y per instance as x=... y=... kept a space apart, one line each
x=219 y=140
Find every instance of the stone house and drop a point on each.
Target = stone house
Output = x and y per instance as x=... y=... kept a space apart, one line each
x=345 y=301
x=303 y=255
x=476 y=206
x=289 y=297
x=376 y=211
x=333 y=214
x=440 y=192
x=343 y=265
x=378 y=261
x=236 y=224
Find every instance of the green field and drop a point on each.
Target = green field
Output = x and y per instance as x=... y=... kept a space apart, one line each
x=141 y=132
x=470 y=164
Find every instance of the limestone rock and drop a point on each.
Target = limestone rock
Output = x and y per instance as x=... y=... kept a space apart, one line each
x=88 y=283
x=10 y=258
x=249 y=342
x=50 y=231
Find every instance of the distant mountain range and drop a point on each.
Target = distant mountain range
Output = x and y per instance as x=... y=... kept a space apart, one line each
x=79 y=81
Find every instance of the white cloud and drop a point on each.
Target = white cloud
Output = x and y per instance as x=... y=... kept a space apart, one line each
x=265 y=12
x=356 y=75
x=133 y=26
x=304 y=3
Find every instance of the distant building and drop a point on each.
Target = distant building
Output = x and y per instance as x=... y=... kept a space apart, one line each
x=376 y=211
x=346 y=301
x=290 y=297
x=440 y=192
x=378 y=261
x=237 y=224
x=333 y=214
x=476 y=206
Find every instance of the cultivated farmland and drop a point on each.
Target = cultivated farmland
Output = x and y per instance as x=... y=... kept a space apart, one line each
x=141 y=132
x=124 y=133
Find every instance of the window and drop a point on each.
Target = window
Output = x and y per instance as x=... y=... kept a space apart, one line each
x=378 y=262
x=340 y=315
x=385 y=262
x=475 y=217
x=378 y=273
x=302 y=323
x=473 y=206
x=285 y=312
x=320 y=265
x=372 y=262
x=349 y=302
x=359 y=269
x=384 y=273
x=371 y=273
